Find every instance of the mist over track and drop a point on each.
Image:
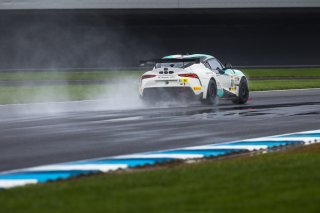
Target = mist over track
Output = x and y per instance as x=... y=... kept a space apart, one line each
x=87 y=129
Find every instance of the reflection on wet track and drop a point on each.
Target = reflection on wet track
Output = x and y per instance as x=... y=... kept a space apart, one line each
x=248 y=110
x=82 y=131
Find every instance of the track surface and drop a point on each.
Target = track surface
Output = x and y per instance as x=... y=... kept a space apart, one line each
x=81 y=130
x=15 y=83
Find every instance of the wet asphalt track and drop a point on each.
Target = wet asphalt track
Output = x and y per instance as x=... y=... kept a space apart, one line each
x=84 y=131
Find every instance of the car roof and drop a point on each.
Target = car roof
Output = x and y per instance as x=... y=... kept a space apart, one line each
x=202 y=57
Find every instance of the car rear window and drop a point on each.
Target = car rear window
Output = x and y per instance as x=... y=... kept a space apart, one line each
x=174 y=65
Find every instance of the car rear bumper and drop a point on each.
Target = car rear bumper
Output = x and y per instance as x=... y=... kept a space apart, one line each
x=170 y=93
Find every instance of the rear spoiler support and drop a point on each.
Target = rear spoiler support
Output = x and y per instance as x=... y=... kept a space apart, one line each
x=169 y=60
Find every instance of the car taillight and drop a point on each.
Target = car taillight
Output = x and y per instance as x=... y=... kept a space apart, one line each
x=189 y=75
x=147 y=76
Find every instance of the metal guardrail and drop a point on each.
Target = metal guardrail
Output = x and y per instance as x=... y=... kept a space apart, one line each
x=149 y=4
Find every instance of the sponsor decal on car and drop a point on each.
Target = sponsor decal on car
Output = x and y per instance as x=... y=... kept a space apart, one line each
x=184 y=80
x=232 y=83
x=197 y=88
x=166 y=77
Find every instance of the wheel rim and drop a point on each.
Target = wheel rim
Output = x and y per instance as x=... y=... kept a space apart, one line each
x=212 y=91
x=244 y=93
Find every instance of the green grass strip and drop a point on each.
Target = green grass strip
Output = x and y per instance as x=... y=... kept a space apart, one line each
x=34 y=93
x=283 y=84
x=277 y=182
x=30 y=94
x=103 y=75
x=287 y=73
x=85 y=75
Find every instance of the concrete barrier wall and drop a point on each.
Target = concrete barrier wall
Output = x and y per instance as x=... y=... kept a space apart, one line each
x=143 y=4
x=120 y=38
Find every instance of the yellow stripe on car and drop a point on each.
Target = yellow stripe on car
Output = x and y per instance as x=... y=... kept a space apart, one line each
x=197 y=88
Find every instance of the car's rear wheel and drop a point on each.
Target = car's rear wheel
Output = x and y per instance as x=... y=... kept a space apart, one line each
x=211 y=93
x=243 y=92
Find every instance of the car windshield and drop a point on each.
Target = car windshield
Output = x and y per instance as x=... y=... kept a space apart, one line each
x=174 y=64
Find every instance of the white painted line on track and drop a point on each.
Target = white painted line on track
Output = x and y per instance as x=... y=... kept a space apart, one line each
x=275 y=139
x=235 y=147
x=305 y=139
x=174 y=156
x=80 y=167
x=248 y=147
x=150 y=158
x=5 y=184
x=284 y=90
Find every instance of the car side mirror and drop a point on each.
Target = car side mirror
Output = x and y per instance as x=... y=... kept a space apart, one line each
x=228 y=66
x=221 y=71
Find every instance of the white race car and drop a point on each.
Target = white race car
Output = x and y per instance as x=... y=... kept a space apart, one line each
x=196 y=76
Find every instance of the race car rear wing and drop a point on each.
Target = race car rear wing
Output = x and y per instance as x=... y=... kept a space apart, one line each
x=170 y=60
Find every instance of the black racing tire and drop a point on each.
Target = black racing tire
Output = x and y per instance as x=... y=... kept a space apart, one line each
x=243 y=92
x=211 y=93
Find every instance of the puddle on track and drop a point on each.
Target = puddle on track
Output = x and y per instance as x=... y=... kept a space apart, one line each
x=286 y=109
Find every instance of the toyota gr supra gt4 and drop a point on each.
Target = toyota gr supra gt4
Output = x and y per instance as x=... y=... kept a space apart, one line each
x=198 y=76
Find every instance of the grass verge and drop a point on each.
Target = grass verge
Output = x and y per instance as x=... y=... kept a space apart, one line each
x=274 y=182
x=36 y=93
x=282 y=73
x=101 y=75
x=67 y=76
x=29 y=94
x=283 y=84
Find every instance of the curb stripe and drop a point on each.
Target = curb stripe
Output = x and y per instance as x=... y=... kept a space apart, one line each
x=84 y=167
x=161 y=155
x=313 y=135
x=130 y=162
x=42 y=174
x=269 y=144
x=14 y=183
x=203 y=152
